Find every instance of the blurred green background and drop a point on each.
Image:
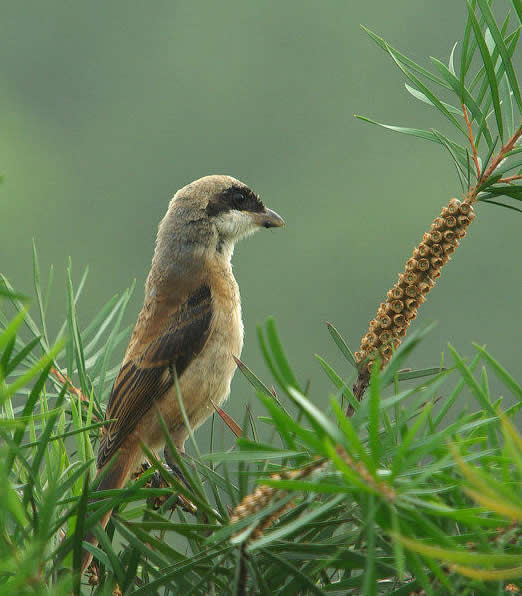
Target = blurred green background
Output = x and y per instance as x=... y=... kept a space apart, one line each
x=108 y=108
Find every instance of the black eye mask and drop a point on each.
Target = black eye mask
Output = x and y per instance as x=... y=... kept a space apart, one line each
x=235 y=197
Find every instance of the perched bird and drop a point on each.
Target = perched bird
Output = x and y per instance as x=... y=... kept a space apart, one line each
x=190 y=326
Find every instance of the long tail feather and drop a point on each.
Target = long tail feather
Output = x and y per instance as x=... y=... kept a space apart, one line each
x=114 y=477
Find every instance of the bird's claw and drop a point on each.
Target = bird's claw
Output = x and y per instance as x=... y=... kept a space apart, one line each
x=156 y=480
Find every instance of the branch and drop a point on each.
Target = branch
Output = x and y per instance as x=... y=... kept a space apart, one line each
x=471 y=140
x=71 y=388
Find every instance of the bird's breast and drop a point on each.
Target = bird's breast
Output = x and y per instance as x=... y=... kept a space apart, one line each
x=206 y=381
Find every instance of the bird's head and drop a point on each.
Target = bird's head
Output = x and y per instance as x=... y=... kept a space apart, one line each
x=219 y=210
x=230 y=206
x=205 y=219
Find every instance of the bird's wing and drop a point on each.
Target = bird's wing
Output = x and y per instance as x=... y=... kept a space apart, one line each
x=182 y=333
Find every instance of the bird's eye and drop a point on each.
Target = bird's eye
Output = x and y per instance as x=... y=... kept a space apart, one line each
x=238 y=200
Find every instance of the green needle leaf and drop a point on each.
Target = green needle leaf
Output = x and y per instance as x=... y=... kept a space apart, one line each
x=341 y=344
x=499 y=41
x=466 y=98
x=490 y=69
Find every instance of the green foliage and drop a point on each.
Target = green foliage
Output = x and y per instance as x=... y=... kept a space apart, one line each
x=486 y=86
x=393 y=500
x=388 y=501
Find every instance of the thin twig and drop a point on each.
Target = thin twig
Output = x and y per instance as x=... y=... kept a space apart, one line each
x=510 y=179
x=72 y=389
x=65 y=381
x=243 y=573
x=472 y=195
x=471 y=140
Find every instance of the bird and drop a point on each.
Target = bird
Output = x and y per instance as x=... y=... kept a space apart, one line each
x=189 y=329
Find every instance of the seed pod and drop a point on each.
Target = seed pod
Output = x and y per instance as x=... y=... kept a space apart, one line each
x=397 y=306
x=436 y=249
x=385 y=337
x=399 y=320
x=411 y=291
x=425 y=287
x=410 y=314
x=411 y=303
x=453 y=207
x=408 y=277
x=395 y=293
x=411 y=264
x=370 y=337
x=385 y=321
x=423 y=264
x=438 y=224
x=389 y=310
x=436 y=236
x=424 y=249
x=386 y=352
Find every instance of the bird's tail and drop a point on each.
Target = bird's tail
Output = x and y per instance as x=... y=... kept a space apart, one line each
x=114 y=477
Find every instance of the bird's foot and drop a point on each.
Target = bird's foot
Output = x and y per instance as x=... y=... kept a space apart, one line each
x=92 y=572
x=156 y=480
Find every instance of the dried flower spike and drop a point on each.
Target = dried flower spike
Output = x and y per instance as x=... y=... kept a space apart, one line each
x=263 y=495
x=417 y=279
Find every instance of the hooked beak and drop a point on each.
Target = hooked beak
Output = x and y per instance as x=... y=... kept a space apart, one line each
x=268 y=219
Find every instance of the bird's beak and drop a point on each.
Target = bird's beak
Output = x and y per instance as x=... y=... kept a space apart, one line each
x=268 y=219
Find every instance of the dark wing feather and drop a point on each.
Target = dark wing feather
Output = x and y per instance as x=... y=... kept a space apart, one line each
x=143 y=380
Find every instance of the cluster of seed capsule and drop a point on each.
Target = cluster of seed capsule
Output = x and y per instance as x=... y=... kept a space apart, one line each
x=254 y=502
x=263 y=496
x=420 y=273
x=382 y=487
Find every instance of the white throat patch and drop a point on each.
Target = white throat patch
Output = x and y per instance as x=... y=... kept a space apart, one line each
x=234 y=225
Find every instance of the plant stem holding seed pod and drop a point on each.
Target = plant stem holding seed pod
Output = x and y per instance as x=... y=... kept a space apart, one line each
x=422 y=270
